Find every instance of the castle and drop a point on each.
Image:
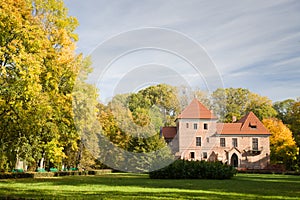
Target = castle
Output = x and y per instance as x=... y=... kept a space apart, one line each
x=198 y=136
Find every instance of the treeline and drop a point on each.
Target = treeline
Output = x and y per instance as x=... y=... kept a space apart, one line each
x=50 y=117
x=130 y=116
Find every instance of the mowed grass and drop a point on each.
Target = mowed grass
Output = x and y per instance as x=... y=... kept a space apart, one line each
x=140 y=186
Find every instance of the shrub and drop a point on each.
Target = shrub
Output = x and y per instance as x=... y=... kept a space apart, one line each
x=184 y=169
x=53 y=170
x=17 y=170
x=41 y=175
x=41 y=170
x=15 y=175
x=99 y=172
x=52 y=174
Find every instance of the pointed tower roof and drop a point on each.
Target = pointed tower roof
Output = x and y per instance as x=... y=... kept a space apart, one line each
x=196 y=110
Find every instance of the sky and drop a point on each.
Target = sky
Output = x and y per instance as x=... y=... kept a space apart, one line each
x=201 y=44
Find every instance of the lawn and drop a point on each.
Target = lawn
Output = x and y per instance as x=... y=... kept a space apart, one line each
x=139 y=186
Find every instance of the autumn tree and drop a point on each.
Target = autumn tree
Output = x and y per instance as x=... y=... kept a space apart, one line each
x=85 y=114
x=132 y=123
x=289 y=112
x=282 y=145
x=38 y=71
x=60 y=67
x=21 y=100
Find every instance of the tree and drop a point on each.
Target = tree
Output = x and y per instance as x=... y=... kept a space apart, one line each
x=238 y=102
x=21 y=99
x=295 y=125
x=59 y=70
x=230 y=102
x=110 y=127
x=282 y=145
x=284 y=110
x=162 y=96
x=38 y=70
x=289 y=112
x=261 y=106
x=186 y=95
x=85 y=112
x=132 y=123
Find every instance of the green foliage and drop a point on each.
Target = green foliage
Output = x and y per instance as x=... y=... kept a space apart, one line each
x=132 y=122
x=284 y=110
x=53 y=173
x=151 y=153
x=15 y=175
x=238 y=102
x=186 y=95
x=161 y=96
x=183 y=169
x=295 y=124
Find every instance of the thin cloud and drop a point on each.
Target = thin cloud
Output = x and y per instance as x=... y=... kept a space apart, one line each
x=255 y=44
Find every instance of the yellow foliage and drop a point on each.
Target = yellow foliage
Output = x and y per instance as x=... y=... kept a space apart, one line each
x=280 y=132
x=282 y=144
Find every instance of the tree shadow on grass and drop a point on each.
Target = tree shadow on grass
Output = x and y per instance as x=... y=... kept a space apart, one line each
x=112 y=186
x=49 y=194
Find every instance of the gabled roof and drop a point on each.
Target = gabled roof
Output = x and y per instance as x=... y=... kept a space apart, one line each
x=169 y=132
x=196 y=110
x=248 y=125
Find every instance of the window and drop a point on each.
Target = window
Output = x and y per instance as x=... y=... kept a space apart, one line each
x=222 y=142
x=207 y=140
x=195 y=126
x=198 y=141
x=234 y=142
x=253 y=125
x=255 y=144
x=204 y=155
x=192 y=155
x=205 y=126
x=187 y=125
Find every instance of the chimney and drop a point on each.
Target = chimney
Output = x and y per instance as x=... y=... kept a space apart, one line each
x=233 y=119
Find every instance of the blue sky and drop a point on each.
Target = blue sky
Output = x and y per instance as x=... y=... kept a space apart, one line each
x=252 y=44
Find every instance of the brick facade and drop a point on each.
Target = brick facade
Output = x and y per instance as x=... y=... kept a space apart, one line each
x=198 y=136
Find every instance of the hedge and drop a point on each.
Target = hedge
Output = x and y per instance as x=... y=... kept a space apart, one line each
x=51 y=174
x=184 y=169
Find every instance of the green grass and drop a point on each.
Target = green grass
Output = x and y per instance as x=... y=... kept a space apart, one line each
x=139 y=186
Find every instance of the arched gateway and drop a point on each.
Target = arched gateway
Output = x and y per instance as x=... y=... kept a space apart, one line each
x=234 y=161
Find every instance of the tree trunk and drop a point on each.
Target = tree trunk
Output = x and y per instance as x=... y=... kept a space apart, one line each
x=41 y=163
x=17 y=162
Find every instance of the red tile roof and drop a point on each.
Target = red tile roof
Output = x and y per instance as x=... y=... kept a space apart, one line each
x=169 y=132
x=249 y=124
x=196 y=110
